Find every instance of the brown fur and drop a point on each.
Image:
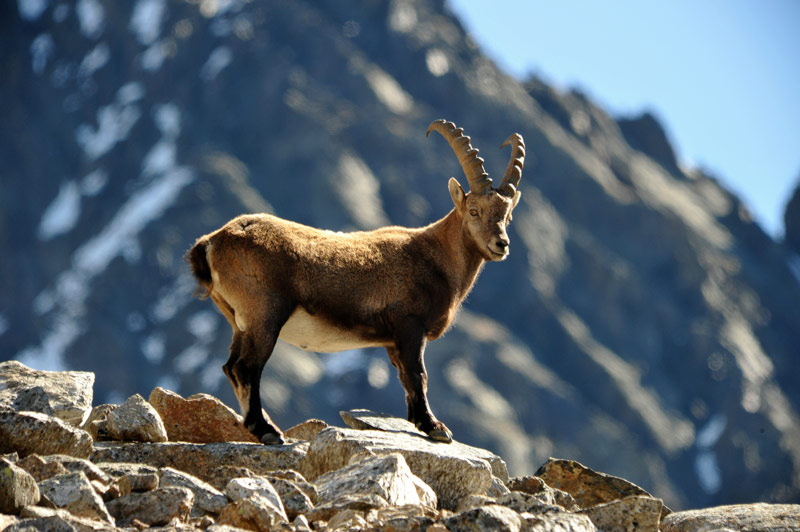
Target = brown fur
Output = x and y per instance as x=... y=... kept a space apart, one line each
x=394 y=287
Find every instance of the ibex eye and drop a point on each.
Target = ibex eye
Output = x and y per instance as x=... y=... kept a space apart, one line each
x=473 y=212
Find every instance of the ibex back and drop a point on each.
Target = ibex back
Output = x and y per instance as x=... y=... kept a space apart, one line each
x=394 y=287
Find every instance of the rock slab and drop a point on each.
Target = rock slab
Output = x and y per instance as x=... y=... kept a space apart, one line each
x=68 y=394
x=454 y=471
x=135 y=420
x=33 y=433
x=201 y=418
x=740 y=517
x=17 y=488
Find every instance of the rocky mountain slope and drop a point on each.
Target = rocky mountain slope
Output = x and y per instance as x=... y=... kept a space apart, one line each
x=643 y=324
x=176 y=464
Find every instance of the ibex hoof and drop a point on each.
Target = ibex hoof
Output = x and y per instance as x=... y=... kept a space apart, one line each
x=271 y=438
x=440 y=435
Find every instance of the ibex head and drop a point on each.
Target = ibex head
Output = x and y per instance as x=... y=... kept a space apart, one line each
x=484 y=211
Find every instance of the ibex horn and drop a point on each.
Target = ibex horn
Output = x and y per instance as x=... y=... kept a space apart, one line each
x=510 y=182
x=479 y=181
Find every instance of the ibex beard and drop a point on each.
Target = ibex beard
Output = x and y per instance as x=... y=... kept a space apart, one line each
x=393 y=287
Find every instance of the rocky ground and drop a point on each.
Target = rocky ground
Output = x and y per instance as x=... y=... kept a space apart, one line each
x=170 y=463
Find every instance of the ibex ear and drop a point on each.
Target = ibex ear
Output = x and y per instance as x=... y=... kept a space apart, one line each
x=516 y=199
x=457 y=193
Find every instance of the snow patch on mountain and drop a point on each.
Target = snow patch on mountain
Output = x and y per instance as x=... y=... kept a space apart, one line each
x=63 y=212
x=146 y=20
x=91 y=17
x=31 y=10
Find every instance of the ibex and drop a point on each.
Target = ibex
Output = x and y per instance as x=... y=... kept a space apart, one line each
x=393 y=287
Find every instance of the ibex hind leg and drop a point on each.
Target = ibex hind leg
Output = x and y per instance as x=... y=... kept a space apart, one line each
x=249 y=353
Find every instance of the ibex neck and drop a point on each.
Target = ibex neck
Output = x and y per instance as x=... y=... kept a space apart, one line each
x=462 y=262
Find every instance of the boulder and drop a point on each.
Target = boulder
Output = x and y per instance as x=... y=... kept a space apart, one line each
x=136 y=420
x=156 y=507
x=67 y=394
x=17 y=488
x=408 y=518
x=207 y=499
x=297 y=495
x=558 y=522
x=41 y=469
x=135 y=477
x=73 y=492
x=454 y=470
x=485 y=519
x=589 y=488
x=34 y=433
x=97 y=422
x=200 y=418
x=388 y=477
x=307 y=430
x=636 y=513
x=740 y=517
x=202 y=460
x=242 y=488
x=35 y=518
x=538 y=488
x=252 y=513
x=367 y=420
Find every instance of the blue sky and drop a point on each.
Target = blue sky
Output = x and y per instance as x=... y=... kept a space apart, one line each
x=723 y=76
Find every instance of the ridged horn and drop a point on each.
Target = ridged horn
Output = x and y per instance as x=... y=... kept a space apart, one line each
x=479 y=181
x=510 y=182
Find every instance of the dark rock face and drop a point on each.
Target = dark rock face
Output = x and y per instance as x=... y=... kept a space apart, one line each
x=643 y=324
x=791 y=220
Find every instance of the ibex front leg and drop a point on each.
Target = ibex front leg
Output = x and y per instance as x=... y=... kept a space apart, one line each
x=407 y=356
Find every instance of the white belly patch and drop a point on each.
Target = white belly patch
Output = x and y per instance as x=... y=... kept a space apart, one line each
x=314 y=334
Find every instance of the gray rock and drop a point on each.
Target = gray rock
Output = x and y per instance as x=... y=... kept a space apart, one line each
x=361 y=419
x=32 y=399
x=39 y=519
x=97 y=422
x=409 y=518
x=486 y=518
x=40 y=468
x=67 y=393
x=156 y=507
x=73 y=492
x=525 y=502
x=136 y=420
x=252 y=513
x=386 y=476
x=207 y=499
x=33 y=433
x=741 y=517
x=220 y=476
x=454 y=470
x=636 y=513
x=589 y=488
x=307 y=430
x=558 y=522
x=137 y=477
x=17 y=488
x=546 y=494
x=297 y=495
x=202 y=460
x=74 y=465
x=242 y=488
x=346 y=503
